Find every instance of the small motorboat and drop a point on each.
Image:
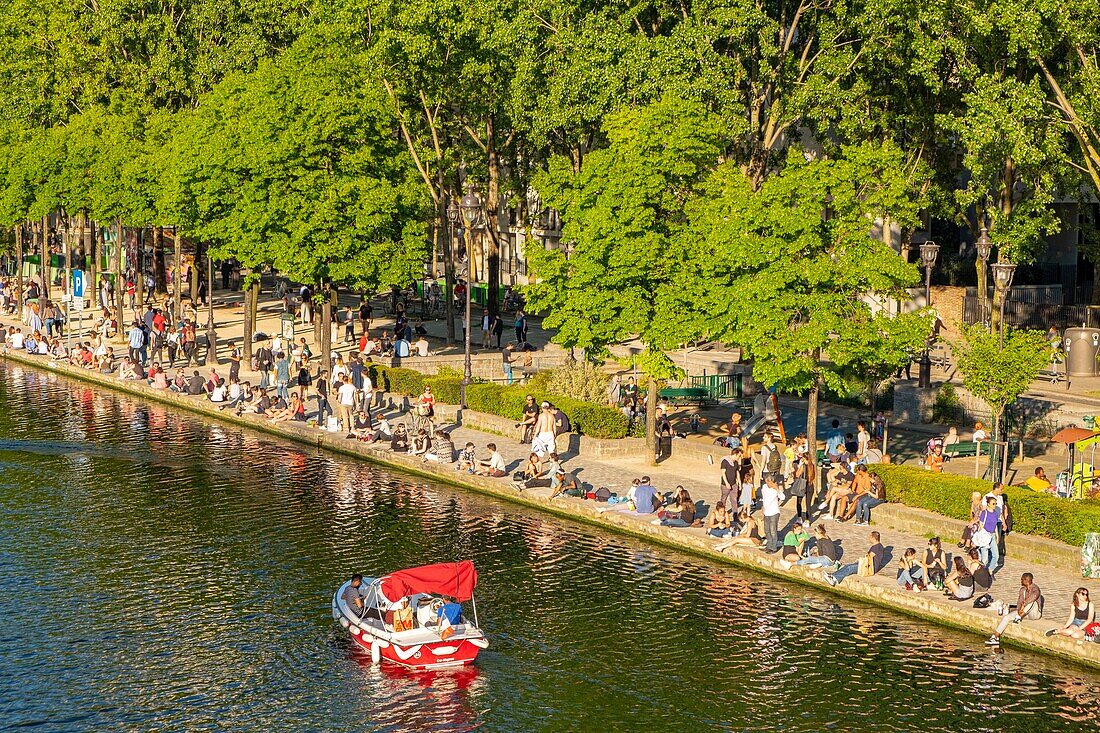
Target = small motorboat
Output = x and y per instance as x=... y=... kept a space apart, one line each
x=414 y=617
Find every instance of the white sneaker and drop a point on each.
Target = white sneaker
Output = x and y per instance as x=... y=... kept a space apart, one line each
x=785 y=565
x=993 y=641
x=830 y=579
x=825 y=517
x=823 y=505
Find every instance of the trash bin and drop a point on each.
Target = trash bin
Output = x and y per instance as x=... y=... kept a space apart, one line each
x=1090 y=556
x=1082 y=348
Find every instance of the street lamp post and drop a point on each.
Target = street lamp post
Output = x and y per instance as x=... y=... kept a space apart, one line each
x=1002 y=281
x=928 y=253
x=984 y=246
x=1003 y=273
x=473 y=217
x=67 y=288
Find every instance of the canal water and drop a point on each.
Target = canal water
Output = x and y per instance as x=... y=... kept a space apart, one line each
x=160 y=572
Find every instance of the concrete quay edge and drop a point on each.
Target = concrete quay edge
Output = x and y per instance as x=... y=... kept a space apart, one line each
x=879 y=590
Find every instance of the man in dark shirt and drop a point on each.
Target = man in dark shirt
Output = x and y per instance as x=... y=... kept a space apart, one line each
x=196 y=385
x=530 y=415
x=353 y=595
x=869 y=564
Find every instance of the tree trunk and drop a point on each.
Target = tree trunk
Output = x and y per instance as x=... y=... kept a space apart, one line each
x=492 y=225
x=326 y=328
x=651 y=418
x=44 y=258
x=983 y=290
x=120 y=279
x=19 y=267
x=249 y=324
x=196 y=275
x=811 y=424
x=177 y=251
x=449 y=271
x=92 y=260
x=139 y=272
x=160 y=269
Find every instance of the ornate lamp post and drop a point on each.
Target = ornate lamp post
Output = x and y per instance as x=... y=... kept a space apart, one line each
x=1003 y=273
x=984 y=246
x=473 y=217
x=1002 y=281
x=929 y=251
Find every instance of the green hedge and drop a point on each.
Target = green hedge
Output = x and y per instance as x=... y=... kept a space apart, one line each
x=1033 y=512
x=597 y=421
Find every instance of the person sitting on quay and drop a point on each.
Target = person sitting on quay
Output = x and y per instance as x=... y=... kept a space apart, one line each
x=361 y=426
x=933 y=563
x=959 y=584
x=840 y=488
x=1028 y=606
x=494 y=465
x=682 y=512
x=1081 y=615
x=867 y=566
x=718 y=522
x=217 y=391
x=158 y=378
x=530 y=415
x=531 y=475
x=232 y=394
x=261 y=403
x=422 y=348
x=467 y=458
x=126 y=369
x=910 y=573
x=823 y=554
x=399 y=442
x=383 y=431
x=844 y=506
x=644 y=497
x=443 y=448
x=794 y=545
x=875 y=494
x=750 y=532
x=421 y=444
x=196 y=385
x=566 y=483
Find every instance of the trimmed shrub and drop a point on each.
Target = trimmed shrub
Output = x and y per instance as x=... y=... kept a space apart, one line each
x=1033 y=513
x=597 y=421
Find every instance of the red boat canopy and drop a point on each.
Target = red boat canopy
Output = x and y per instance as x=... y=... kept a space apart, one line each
x=452 y=579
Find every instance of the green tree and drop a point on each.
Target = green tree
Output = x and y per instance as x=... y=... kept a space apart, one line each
x=787 y=270
x=998 y=369
x=296 y=165
x=623 y=211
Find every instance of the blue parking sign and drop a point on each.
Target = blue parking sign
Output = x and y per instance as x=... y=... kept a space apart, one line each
x=78 y=283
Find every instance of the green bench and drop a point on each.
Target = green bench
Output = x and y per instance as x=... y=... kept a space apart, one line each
x=686 y=395
x=969 y=449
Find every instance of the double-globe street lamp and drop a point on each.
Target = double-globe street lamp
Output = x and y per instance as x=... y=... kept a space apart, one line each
x=473 y=219
x=984 y=246
x=1003 y=273
x=929 y=251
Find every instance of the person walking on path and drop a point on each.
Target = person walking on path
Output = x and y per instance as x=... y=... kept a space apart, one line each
x=320 y=393
x=282 y=376
x=1028 y=605
x=521 y=327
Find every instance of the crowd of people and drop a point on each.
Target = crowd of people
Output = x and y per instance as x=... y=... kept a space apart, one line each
x=755 y=481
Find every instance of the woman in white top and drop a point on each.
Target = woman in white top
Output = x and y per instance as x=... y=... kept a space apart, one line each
x=979 y=433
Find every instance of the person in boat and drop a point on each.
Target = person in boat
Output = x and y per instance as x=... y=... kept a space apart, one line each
x=353 y=595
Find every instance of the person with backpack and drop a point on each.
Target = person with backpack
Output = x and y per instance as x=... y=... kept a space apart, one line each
x=771 y=459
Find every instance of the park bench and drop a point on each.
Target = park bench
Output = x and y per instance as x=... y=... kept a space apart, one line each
x=969 y=449
x=686 y=395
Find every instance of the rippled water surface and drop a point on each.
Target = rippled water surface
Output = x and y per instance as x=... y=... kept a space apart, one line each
x=158 y=572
